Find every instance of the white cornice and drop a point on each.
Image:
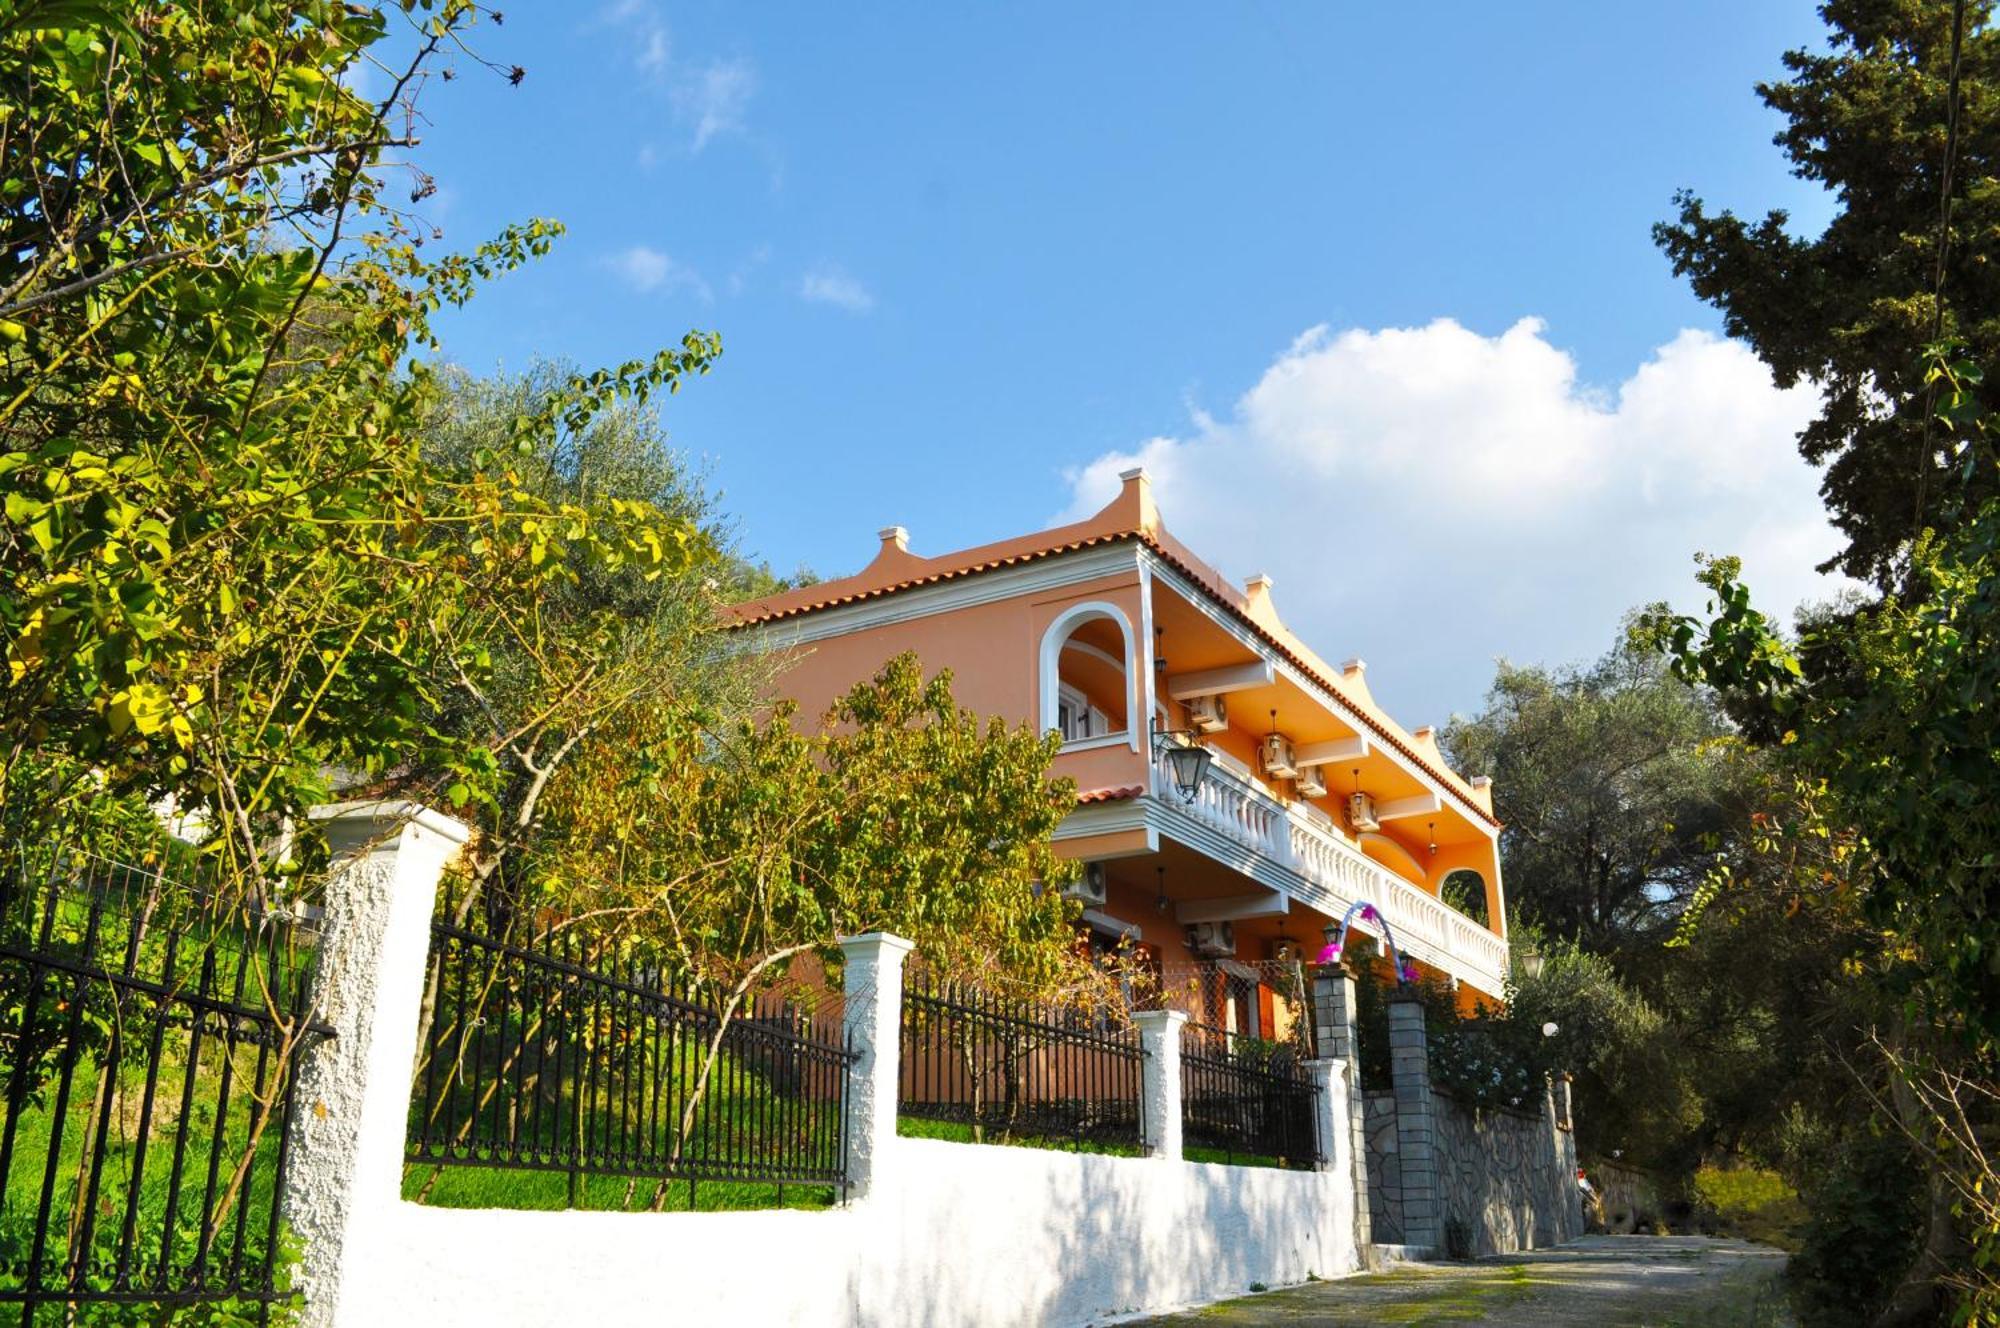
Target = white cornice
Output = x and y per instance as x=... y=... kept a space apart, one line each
x=1105 y=818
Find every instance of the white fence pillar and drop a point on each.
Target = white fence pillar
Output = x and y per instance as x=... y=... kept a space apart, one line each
x=873 y=1024
x=1330 y=1127
x=345 y=1162
x=1160 y=1081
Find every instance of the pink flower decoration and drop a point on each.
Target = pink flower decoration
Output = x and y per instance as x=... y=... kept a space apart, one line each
x=1329 y=955
x=1409 y=972
x=1368 y=912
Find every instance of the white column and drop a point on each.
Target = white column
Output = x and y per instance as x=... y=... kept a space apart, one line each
x=873 y=1024
x=1330 y=1119
x=344 y=1168
x=1160 y=1081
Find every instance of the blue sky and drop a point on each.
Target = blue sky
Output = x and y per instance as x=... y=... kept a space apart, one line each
x=966 y=261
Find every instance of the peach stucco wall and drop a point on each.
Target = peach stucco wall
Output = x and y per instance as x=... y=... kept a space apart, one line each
x=993 y=651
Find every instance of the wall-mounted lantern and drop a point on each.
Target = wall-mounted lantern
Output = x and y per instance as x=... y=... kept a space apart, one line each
x=1186 y=757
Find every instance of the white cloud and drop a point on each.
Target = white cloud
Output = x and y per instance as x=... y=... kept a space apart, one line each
x=1430 y=498
x=739 y=276
x=714 y=97
x=709 y=98
x=829 y=284
x=642 y=34
x=648 y=269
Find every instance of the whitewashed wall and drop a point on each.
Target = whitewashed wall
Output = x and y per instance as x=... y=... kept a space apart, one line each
x=942 y=1233
x=954 y=1234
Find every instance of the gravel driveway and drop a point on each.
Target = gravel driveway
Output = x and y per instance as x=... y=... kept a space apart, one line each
x=1607 y=1281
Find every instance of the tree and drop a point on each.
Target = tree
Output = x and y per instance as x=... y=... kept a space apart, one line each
x=728 y=855
x=1851 y=309
x=725 y=851
x=600 y=639
x=227 y=562
x=1900 y=717
x=1608 y=789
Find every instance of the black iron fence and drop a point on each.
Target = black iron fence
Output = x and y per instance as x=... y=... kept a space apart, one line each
x=1247 y=1099
x=1268 y=1000
x=992 y=1069
x=149 y=1035
x=537 y=1059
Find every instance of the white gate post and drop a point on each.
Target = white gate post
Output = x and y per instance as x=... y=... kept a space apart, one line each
x=1160 y=1081
x=873 y=1023
x=1330 y=1121
x=344 y=1166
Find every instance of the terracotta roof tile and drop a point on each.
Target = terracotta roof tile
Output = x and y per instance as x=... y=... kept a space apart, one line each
x=1111 y=794
x=931 y=578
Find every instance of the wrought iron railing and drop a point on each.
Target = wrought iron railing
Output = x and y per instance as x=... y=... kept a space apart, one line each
x=1007 y=1070
x=1247 y=1099
x=150 y=1035
x=538 y=1058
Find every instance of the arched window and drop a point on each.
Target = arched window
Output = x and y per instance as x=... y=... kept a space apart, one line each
x=1465 y=890
x=1087 y=681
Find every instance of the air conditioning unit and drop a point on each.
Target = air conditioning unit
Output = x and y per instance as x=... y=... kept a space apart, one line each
x=1212 y=940
x=1310 y=782
x=1361 y=813
x=1278 y=758
x=1089 y=887
x=1208 y=714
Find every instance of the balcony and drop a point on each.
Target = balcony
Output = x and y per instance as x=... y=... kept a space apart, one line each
x=1312 y=863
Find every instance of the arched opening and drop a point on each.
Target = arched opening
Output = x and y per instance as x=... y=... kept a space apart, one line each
x=1393 y=856
x=1087 y=678
x=1465 y=890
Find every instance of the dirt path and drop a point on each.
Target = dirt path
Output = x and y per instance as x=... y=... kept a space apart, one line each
x=1612 y=1281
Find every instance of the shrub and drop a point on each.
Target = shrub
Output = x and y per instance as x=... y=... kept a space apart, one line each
x=1865 y=1220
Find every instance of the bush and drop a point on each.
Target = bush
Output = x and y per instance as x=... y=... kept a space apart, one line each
x=1865 y=1219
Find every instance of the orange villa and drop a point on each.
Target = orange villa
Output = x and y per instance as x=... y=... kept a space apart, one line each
x=1312 y=800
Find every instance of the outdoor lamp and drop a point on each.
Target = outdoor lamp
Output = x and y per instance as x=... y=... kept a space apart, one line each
x=1530 y=962
x=1550 y=1030
x=1188 y=759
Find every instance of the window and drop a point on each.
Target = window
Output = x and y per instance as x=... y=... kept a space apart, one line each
x=1089 y=689
x=1077 y=718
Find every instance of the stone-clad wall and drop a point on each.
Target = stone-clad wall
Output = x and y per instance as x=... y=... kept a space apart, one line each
x=1385 y=1179
x=1500 y=1170
x=1505 y=1179
x=1629 y=1200
x=1440 y=1175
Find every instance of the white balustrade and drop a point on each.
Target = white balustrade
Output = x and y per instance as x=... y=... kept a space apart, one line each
x=1426 y=928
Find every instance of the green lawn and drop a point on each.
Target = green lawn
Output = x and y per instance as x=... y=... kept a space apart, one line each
x=1751 y=1205
x=917 y=1127
x=741 y=1117
x=206 y=1141
x=548 y=1191
x=958 y=1132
